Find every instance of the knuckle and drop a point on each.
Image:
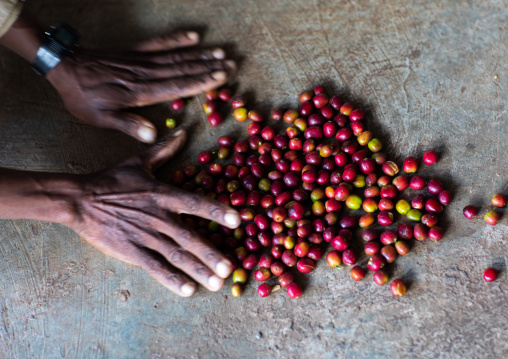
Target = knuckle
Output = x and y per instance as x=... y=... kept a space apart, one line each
x=212 y=256
x=202 y=270
x=193 y=202
x=215 y=212
x=173 y=279
x=177 y=256
x=184 y=235
x=154 y=266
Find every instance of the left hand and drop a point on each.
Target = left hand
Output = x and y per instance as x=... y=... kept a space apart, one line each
x=99 y=87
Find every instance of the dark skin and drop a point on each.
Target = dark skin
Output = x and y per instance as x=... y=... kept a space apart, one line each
x=124 y=211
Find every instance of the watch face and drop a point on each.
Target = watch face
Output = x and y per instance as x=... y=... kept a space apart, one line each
x=65 y=36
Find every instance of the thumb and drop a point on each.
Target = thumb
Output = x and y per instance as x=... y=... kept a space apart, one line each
x=160 y=153
x=131 y=124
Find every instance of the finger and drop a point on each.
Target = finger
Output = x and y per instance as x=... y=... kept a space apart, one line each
x=187 y=263
x=168 y=42
x=184 y=56
x=192 y=243
x=159 y=269
x=191 y=203
x=146 y=71
x=147 y=93
x=131 y=124
x=166 y=58
x=160 y=153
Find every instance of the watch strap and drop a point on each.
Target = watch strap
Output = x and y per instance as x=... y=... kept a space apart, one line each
x=52 y=51
x=45 y=60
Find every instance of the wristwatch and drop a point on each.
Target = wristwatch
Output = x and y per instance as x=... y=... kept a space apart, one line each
x=59 y=42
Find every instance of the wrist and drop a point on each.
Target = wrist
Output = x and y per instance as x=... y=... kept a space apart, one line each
x=24 y=37
x=46 y=197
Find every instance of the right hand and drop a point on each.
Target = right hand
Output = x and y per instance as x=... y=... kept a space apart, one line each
x=127 y=214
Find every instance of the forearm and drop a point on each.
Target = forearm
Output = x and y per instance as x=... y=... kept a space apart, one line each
x=47 y=197
x=24 y=37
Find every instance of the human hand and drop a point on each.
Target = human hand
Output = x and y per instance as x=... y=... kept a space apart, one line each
x=127 y=214
x=99 y=87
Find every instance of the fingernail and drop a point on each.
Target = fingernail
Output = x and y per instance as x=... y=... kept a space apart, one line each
x=231 y=65
x=188 y=289
x=215 y=282
x=177 y=133
x=146 y=133
x=219 y=75
x=232 y=219
x=192 y=35
x=223 y=268
x=219 y=54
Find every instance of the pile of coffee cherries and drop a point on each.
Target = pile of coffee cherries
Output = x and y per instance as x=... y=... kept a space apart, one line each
x=305 y=180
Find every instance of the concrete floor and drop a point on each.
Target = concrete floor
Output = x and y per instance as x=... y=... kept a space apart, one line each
x=431 y=75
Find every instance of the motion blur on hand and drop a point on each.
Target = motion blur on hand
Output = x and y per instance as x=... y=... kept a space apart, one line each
x=100 y=86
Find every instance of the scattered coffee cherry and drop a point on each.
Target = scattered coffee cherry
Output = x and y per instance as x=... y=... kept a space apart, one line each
x=398 y=287
x=225 y=94
x=277 y=114
x=402 y=247
x=499 y=200
x=414 y=215
x=403 y=206
x=492 y=217
x=357 y=273
x=490 y=274
x=380 y=277
x=436 y=234
x=445 y=197
x=430 y=158
x=211 y=95
x=390 y=168
x=205 y=157
x=410 y=165
x=236 y=289
x=238 y=102
x=294 y=290
x=262 y=274
x=177 y=105
x=306 y=265
x=429 y=219
x=264 y=290
x=470 y=212
x=170 y=123
x=210 y=107
x=214 y=119
x=334 y=259
x=286 y=279
x=417 y=183
x=240 y=276
x=435 y=187
x=240 y=114
x=389 y=253
x=420 y=232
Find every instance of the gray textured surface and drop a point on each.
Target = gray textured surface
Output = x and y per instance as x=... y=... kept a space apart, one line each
x=430 y=75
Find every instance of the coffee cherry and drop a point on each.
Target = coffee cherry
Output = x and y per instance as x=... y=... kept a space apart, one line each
x=430 y=158
x=264 y=290
x=398 y=287
x=357 y=273
x=490 y=275
x=470 y=212
x=492 y=217
x=499 y=200
x=294 y=290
